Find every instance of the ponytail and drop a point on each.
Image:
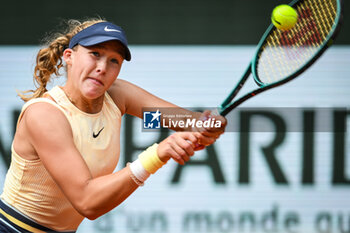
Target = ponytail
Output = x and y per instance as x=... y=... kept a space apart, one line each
x=49 y=59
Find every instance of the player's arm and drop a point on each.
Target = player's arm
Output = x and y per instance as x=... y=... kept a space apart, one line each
x=53 y=141
x=92 y=197
x=131 y=99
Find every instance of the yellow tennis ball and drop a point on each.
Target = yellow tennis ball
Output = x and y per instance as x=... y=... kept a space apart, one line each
x=284 y=17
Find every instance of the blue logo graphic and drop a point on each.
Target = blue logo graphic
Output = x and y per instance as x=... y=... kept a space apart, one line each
x=151 y=120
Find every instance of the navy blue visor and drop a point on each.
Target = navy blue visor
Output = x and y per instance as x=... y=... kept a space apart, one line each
x=99 y=33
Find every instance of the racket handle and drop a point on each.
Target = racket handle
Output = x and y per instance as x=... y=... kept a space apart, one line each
x=215 y=112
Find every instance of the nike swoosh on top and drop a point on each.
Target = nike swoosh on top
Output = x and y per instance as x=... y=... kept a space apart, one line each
x=111 y=29
x=96 y=135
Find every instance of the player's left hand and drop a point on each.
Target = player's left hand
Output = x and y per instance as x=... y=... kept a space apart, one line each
x=209 y=134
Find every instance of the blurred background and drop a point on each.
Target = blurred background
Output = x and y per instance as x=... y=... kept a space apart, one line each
x=154 y=22
x=289 y=178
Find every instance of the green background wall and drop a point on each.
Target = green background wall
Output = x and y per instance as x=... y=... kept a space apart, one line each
x=150 y=21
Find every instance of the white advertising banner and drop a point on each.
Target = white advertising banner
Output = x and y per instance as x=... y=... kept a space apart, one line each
x=291 y=175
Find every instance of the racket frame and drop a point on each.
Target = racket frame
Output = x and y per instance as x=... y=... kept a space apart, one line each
x=227 y=105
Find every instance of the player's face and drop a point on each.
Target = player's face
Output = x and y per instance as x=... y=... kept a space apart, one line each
x=92 y=70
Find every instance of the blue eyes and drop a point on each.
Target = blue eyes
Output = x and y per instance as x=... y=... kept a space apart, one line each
x=97 y=55
x=115 y=61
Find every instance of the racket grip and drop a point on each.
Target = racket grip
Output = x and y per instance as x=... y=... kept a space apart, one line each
x=215 y=112
x=212 y=113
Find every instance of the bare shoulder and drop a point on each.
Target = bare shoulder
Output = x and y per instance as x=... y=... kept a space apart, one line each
x=121 y=86
x=131 y=98
x=123 y=83
x=42 y=125
x=45 y=117
x=43 y=110
x=119 y=91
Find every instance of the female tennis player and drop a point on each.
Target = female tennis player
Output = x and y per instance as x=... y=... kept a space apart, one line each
x=66 y=145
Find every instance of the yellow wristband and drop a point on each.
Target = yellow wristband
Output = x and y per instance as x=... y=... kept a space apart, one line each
x=150 y=160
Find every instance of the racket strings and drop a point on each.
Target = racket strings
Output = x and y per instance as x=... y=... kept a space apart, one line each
x=285 y=52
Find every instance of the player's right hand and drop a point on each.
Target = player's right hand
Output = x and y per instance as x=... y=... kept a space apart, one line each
x=179 y=146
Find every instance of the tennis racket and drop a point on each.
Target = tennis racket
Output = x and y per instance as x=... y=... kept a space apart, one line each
x=282 y=56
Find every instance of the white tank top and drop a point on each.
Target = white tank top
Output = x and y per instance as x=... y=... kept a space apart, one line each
x=28 y=186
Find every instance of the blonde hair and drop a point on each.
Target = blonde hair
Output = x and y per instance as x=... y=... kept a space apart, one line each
x=49 y=59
